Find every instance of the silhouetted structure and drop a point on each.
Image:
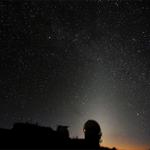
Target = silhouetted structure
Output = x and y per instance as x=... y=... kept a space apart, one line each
x=92 y=133
x=25 y=135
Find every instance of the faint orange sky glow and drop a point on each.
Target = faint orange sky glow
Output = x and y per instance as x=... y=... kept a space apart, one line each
x=125 y=146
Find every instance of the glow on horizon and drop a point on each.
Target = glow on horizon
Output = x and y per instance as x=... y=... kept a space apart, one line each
x=125 y=145
x=119 y=142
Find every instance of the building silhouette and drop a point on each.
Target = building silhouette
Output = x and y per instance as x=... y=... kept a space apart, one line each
x=26 y=135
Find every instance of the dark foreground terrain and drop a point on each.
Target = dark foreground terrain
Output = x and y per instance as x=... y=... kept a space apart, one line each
x=25 y=135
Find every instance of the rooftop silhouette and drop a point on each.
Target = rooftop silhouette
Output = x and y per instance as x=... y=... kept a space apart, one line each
x=26 y=135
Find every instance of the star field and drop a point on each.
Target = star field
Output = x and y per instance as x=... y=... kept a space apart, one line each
x=63 y=62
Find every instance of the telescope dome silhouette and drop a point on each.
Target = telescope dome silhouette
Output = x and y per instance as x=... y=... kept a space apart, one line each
x=92 y=130
x=92 y=126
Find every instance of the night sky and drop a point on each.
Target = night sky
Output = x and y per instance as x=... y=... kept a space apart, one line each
x=64 y=62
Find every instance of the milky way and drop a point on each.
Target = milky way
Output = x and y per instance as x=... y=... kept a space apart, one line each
x=63 y=62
